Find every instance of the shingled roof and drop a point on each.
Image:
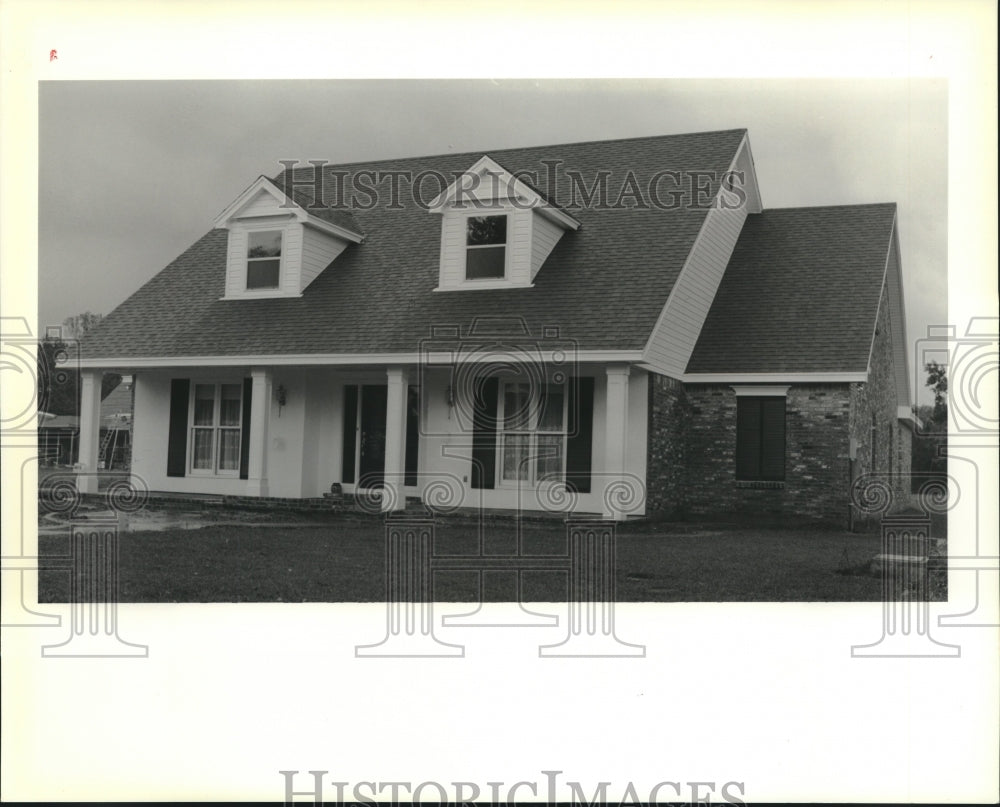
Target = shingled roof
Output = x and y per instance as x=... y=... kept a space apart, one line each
x=604 y=285
x=800 y=294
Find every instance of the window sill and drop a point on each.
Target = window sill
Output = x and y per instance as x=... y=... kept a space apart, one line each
x=759 y=484
x=270 y=294
x=482 y=285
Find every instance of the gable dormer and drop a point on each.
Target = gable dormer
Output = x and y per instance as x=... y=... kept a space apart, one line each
x=496 y=230
x=278 y=244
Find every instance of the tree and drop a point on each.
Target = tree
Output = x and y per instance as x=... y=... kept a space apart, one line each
x=933 y=431
x=58 y=379
x=78 y=325
x=937 y=380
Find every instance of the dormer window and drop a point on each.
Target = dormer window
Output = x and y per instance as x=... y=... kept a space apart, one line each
x=278 y=245
x=263 y=259
x=504 y=250
x=486 y=248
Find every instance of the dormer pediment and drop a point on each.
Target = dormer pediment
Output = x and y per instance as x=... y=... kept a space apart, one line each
x=496 y=230
x=278 y=243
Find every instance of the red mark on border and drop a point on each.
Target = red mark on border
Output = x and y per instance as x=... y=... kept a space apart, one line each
x=53 y=55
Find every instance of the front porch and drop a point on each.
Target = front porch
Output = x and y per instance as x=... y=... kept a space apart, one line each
x=480 y=438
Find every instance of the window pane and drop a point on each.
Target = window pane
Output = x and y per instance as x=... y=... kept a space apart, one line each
x=229 y=414
x=264 y=245
x=550 y=416
x=486 y=230
x=485 y=262
x=515 y=455
x=229 y=449
x=772 y=426
x=550 y=450
x=204 y=404
x=515 y=407
x=263 y=274
x=202 y=459
x=747 y=438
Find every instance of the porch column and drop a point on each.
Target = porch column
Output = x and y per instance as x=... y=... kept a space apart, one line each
x=395 y=440
x=260 y=413
x=90 y=429
x=615 y=437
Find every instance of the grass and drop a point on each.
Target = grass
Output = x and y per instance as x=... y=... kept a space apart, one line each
x=342 y=559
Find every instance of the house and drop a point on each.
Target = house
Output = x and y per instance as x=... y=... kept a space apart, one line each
x=58 y=435
x=614 y=327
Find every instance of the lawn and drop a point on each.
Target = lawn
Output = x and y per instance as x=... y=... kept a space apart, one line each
x=342 y=559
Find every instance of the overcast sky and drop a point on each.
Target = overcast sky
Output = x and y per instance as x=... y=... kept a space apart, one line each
x=131 y=173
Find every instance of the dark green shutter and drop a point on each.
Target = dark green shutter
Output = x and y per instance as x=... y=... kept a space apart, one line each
x=180 y=390
x=580 y=434
x=412 y=435
x=245 y=433
x=772 y=438
x=484 y=433
x=350 y=433
x=747 y=438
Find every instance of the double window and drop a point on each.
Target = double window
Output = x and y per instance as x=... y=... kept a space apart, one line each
x=532 y=432
x=216 y=418
x=263 y=259
x=486 y=248
x=760 y=438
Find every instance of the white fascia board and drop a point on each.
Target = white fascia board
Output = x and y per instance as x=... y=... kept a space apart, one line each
x=760 y=390
x=515 y=189
x=753 y=171
x=294 y=208
x=332 y=229
x=773 y=378
x=259 y=184
x=345 y=359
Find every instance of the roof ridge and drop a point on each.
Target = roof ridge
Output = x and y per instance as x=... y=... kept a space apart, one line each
x=480 y=153
x=827 y=207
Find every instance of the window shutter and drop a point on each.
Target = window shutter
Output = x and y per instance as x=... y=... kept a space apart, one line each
x=748 y=438
x=772 y=439
x=412 y=435
x=350 y=433
x=484 y=433
x=580 y=431
x=180 y=389
x=245 y=433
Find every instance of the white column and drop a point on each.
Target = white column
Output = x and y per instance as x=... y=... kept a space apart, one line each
x=260 y=414
x=90 y=429
x=615 y=437
x=395 y=440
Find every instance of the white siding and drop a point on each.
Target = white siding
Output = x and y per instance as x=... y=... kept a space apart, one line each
x=291 y=256
x=263 y=204
x=452 y=250
x=530 y=239
x=544 y=236
x=318 y=250
x=680 y=323
x=519 y=247
x=452 y=273
x=291 y=259
x=676 y=333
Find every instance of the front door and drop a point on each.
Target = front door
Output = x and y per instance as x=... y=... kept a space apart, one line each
x=371 y=457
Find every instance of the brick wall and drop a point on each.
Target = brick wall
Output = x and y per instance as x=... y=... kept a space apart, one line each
x=816 y=456
x=878 y=398
x=665 y=460
x=691 y=457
